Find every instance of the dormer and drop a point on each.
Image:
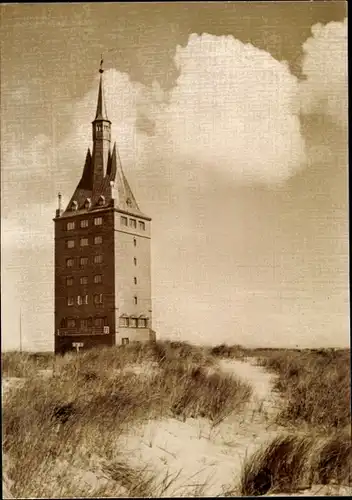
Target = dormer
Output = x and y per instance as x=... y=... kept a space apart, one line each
x=87 y=203
x=74 y=206
x=101 y=201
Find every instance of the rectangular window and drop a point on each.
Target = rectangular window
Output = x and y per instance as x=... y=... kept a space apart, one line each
x=98 y=221
x=134 y=242
x=83 y=261
x=133 y=223
x=135 y=261
x=84 y=223
x=84 y=242
x=98 y=278
x=69 y=262
x=69 y=281
x=142 y=225
x=133 y=322
x=79 y=300
x=125 y=341
x=83 y=280
x=98 y=298
x=70 y=243
x=98 y=240
x=124 y=221
x=84 y=324
x=99 y=322
x=70 y=226
x=135 y=300
x=98 y=259
x=135 y=280
x=142 y=323
x=71 y=323
x=85 y=299
x=124 y=322
x=70 y=301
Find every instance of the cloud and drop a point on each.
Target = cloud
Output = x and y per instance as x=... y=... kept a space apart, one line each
x=325 y=89
x=232 y=110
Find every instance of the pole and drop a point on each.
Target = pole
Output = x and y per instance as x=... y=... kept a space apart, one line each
x=20 y=330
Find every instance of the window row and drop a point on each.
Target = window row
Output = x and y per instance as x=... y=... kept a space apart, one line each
x=83 y=280
x=83 y=261
x=126 y=322
x=84 y=242
x=132 y=223
x=83 y=323
x=98 y=221
x=83 y=299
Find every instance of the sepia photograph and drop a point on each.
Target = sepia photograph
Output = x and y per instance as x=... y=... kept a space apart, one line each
x=175 y=316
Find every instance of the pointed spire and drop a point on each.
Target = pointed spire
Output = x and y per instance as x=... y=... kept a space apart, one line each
x=101 y=108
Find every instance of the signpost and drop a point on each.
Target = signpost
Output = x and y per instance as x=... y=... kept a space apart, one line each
x=77 y=345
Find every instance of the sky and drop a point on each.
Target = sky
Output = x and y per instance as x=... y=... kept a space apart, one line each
x=231 y=124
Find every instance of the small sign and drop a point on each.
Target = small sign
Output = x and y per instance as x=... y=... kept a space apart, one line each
x=77 y=345
x=106 y=329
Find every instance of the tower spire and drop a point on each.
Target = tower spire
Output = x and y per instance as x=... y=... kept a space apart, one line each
x=101 y=108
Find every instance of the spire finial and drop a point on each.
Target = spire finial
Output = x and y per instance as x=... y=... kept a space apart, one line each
x=101 y=70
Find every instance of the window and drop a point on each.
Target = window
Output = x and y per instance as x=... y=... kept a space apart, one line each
x=135 y=280
x=98 y=221
x=83 y=261
x=84 y=242
x=79 y=300
x=99 y=322
x=98 y=240
x=101 y=200
x=133 y=322
x=98 y=259
x=135 y=300
x=133 y=223
x=98 y=298
x=142 y=323
x=134 y=242
x=71 y=323
x=70 y=301
x=69 y=262
x=83 y=280
x=70 y=226
x=69 y=281
x=135 y=261
x=90 y=322
x=142 y=225
x=84 y=324
x=82 y=299
x=124 y=322
x=85 y=299
x=98 y=278
x=70 y=243
x=125 y=341
x=84 y=223
x=74 y=205
x=124 y=221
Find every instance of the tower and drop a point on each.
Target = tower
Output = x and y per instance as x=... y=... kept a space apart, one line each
x=102 y=253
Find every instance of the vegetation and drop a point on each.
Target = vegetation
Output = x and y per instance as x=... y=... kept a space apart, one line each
x=295 y=462
x=52 y=426
x=315 y=385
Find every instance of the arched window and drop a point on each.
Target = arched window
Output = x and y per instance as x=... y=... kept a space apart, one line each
x=74 y=205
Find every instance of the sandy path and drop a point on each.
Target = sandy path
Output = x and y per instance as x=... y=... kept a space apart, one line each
x=203 y=460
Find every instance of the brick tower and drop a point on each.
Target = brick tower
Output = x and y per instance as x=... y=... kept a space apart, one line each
x=102 y=253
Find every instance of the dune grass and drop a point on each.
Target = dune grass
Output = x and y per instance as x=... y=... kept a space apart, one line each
x=76 y=416
x=316 y=387
x=295 y=462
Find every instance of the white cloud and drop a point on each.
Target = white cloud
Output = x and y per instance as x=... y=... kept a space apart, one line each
x=325 y=68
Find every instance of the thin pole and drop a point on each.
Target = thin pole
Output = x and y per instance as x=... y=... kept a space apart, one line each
x=20 y=330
